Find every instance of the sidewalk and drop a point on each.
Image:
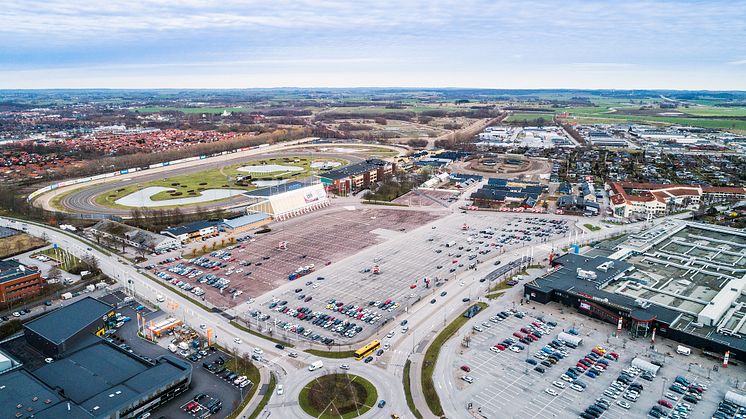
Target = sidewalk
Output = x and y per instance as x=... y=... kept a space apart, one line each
x=264 y=376
x=415 y=377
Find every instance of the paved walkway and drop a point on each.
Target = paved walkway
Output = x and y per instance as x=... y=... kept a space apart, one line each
x=264 y=377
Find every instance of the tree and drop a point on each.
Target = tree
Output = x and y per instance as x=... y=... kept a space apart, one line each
x=92 y=262
x=54 y=274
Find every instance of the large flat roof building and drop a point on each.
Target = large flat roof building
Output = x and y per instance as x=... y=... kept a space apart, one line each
x=89 y=378
x=56 y=331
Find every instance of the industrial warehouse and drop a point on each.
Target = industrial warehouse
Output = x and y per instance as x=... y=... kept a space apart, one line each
x=681 y=280
x=60 y=368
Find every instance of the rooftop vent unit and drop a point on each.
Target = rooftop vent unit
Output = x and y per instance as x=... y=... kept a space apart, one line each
x=586 y=275
x=604 y=267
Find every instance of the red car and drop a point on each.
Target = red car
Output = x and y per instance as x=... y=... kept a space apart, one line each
x=524 y=330
x=614 y=354
x=581 y=365
x=413 y=286
x=664 y=402
x=191 y=406
x=500 y=347
x=455 y=260
x=518 y=335
x=465 y=368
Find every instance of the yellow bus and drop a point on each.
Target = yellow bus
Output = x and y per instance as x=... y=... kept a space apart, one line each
x=367 y=349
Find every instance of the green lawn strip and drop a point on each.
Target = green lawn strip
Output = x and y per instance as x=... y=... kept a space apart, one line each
x=592 y=227
x=331 y=354
x=408 y=391
x=431 y=357
x=255 y=333
x=495 y=295
x=67 y=261
x=370 y=400
x=262 y=403
x=252 y=373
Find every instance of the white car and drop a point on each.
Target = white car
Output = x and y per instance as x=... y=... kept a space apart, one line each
x=238 y=341
x=386 y=346
x=577 y=388
x=258 y=351
x=567 y=378
x=494 y=349
x=344 y=366
x=671 y=396
x=623 y=404
x=280 y=390
x=391 y=334
x=515 y=349
x=558 y=384
x=551 y=392
x=469 y=379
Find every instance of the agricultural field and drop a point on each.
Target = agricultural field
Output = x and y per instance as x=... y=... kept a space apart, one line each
x=207 y=110
x=530 y=118
x=192 y=184
x=697 y=116
x=20 y=243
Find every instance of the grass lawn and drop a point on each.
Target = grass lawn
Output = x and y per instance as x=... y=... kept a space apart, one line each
x=495 y=295
x=192 y=184
x=20 y=243
x=431 y=357
x=333 y=396
x=331 y=354
x=592 y=227
x=408 y=391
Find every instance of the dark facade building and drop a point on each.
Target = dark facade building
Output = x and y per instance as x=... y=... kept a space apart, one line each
x=89 y=377
x=18 y=281
x=57 y=331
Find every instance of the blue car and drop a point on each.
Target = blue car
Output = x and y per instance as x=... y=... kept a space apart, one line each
x=126 y=319
x=531 y=361
x=382 y=403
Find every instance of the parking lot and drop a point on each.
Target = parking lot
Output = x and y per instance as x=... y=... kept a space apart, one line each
x=257 y=264
x=203 y=381
x=352 y=299
x=504 y=384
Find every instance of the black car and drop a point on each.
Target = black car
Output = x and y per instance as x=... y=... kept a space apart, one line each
x=539 y=369
x=379 y=352
x=432 y=301
x=368 y=359
x=280 y=347
x=546 y=363
x=403 y=322
x=443 y=294
x=465 y=299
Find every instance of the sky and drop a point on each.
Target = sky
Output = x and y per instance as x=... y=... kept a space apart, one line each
x=587 y=44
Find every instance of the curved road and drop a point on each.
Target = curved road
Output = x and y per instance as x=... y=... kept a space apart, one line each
x=82 y=198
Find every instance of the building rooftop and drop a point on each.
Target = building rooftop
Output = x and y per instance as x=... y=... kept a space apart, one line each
x=21 y=388
x=245 y=220
x=63 y=323
x=11 y=270
x=189 y=228
x=354 y=169
x=8 y=232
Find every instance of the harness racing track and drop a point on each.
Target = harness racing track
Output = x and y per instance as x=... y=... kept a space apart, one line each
x=81 y=198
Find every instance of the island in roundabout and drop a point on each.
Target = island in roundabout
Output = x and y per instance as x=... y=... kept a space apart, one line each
x=338 y=395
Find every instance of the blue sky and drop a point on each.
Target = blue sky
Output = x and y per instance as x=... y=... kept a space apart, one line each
x=465 y=43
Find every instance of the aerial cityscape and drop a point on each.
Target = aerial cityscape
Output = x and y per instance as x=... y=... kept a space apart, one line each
x=341 y=210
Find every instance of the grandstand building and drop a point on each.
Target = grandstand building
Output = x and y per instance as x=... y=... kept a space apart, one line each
x=288 y=200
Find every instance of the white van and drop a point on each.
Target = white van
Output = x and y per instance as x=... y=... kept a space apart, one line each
x=316 y=365
x=160 y=298
x=683 y=350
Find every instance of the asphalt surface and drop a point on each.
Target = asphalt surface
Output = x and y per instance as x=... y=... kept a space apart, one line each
x=385 y=372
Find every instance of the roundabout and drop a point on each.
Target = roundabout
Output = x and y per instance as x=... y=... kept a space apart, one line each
x=338 y=396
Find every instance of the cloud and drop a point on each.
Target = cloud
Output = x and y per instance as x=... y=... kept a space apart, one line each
x=738 y=62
